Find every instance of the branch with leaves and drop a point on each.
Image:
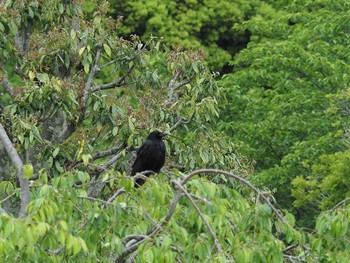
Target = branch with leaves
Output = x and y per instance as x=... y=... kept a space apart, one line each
x=180 y=190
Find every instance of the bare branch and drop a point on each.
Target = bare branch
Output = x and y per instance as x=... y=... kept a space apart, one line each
x=131 y=237
x=134 y=246
x=72 y=126
x=17 y=162
x=242 y=180
x=90 y=81
x=118 y=83
x=101 y=154
x=7 y=197
x=55 y=251
x=114 y=159
x=174 y=85
x=116 y=194
x=97 y=200
x=181 y=121
x=216 y=240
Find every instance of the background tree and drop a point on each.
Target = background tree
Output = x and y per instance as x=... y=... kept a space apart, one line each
x=280 y=104
x=192 y=24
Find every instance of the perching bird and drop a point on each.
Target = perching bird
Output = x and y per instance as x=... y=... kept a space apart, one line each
x=150 y=156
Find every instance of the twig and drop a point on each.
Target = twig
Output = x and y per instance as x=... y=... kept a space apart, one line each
x=201 y=198
x=55 y=251
x=181 y=121
x=118 y=83
x=100 y=154
x=17 y=162
x=216 y=240
x=96 y=200
x=337 y=205
x=116 y=194
x=186 y=178
x=7 y=197
x=114 y=159
x=292 y=258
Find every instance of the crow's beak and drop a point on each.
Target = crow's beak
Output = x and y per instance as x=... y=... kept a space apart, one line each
x=163 y=134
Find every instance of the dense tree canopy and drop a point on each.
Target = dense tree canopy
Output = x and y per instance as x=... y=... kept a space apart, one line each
x=284 y=97
x=192 y=24
x=78 y=99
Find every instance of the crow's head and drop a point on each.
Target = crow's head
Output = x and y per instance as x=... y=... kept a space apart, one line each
x=156 y=135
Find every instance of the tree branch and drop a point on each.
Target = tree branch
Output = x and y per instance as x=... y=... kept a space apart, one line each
x=17 y=162
x=101 y=154
x=158 y=228
x=118 y=83
x=242 y=180
x=90 y=81
x=174 y=85
x=216 y=240
x=337 y=205
x=181 y=121
x=116 y=194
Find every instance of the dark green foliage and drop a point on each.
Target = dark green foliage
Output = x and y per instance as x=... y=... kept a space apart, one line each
x=192 y=24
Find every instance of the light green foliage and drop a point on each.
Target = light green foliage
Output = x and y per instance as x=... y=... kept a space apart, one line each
x=191 y=24
x=279 y=104
x=328 y=184
x=333 y=230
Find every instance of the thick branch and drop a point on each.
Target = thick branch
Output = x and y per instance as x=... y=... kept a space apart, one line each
x=17 y=162
x=242 y=180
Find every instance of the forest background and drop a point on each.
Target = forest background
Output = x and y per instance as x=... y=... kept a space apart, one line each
x=254 y=95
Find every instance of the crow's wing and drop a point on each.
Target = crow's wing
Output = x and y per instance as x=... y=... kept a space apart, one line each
x=150 y=156
x=141 y=157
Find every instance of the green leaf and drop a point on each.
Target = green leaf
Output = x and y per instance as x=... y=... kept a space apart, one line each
x=81 y=51
x=31 y=75
x=115 y=131
x=86 y=158
x=82 y=176
x=73 y=34
x=148 y=256
x=86 y=67
x=43 y=77
x=28 y=170
x=107 y=50
x=166 y=242
x=55 y=152
x=105 y=177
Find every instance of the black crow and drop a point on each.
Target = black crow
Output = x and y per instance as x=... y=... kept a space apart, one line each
x=150 y=156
